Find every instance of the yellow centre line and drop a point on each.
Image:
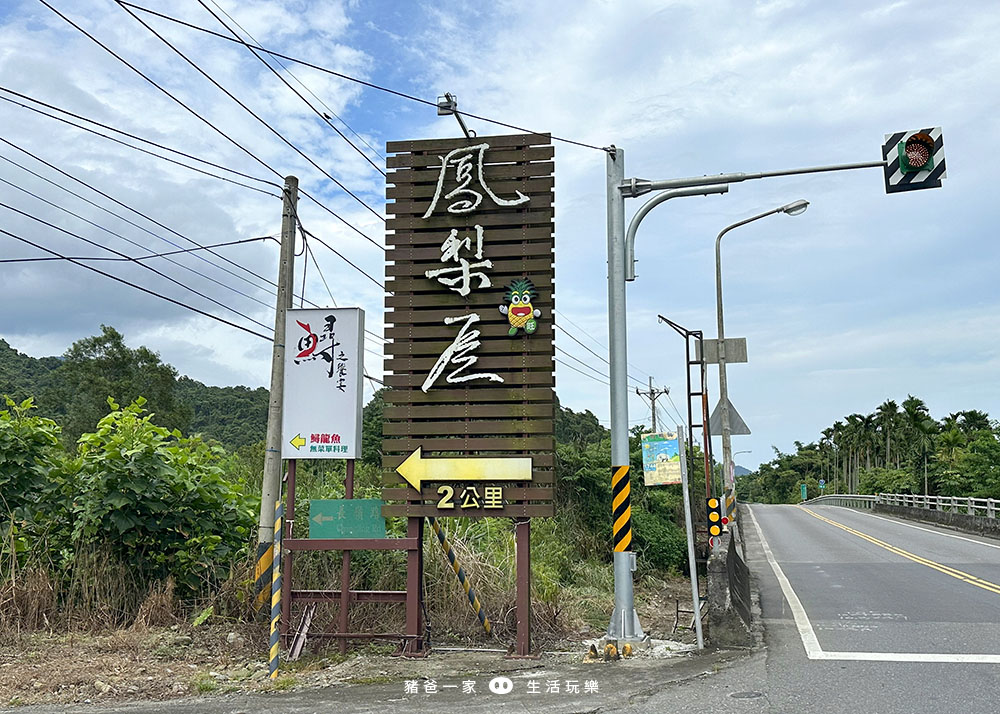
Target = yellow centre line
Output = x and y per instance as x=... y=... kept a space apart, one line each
x=960 y=575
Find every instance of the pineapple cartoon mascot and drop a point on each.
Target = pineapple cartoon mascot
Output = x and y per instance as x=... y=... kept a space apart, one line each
x=520 y=312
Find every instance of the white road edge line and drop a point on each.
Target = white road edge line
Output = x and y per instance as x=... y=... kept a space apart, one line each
x=811 y=643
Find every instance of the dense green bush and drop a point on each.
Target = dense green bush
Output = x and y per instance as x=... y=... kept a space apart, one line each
x=158 y=501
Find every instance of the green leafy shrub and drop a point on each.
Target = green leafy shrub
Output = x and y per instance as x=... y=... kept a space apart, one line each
x=158 y=501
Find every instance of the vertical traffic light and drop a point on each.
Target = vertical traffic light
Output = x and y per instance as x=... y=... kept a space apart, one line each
x=715 y=518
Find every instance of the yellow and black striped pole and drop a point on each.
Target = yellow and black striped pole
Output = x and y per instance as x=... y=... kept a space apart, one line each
x=262 y=576
x=621 y=509
x=462 y=578
x=279 y=513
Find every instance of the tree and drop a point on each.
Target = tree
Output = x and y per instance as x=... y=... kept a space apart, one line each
x=99 y=367
x=886 y=416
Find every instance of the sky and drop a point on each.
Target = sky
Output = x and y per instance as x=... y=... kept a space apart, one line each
x=862 y=298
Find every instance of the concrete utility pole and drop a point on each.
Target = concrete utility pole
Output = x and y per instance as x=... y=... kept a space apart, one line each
x=271 y=484
x=653 y=394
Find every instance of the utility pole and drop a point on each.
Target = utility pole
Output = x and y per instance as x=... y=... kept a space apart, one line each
x=653 y=394
x=271 y=485
x=624 y=620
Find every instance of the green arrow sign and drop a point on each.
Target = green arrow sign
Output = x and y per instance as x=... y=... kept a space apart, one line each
x=346 y=518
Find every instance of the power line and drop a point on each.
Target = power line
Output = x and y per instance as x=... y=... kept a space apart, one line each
x=350 y=78
x=676 y=410
x=341 y=256
x=603 y=359
x=138 y=257
x=303 y=85
x=567 y=364
x=140 y=138
x=284 y=81
x=580 y=361
x=137 y=287
x=329 y=292
x=202 y=119
x=597 y=342
x=250 y=111
x=138 y=148
x=127 y=257
x=132 y=223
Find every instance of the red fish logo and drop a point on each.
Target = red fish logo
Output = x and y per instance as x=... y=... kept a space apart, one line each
x=307 y=343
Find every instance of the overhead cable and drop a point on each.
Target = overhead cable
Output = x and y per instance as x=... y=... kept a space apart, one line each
x=123 y=255
x=203 y=119
x=137 y=287
x=251 y=112
x=132 y=223
x=285 y=82
x=303 y=85
x=135 y=258
x=567 y=364
x=349 y=78
x=139 y=148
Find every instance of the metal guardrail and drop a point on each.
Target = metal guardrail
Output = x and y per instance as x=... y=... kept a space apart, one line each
x=851 y=500
x=987 y=507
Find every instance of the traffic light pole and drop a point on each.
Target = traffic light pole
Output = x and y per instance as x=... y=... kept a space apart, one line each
x=624 y=620
x=621 y=268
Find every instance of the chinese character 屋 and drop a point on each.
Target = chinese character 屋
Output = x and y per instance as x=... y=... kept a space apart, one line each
x=467 y=163
x=459 y=355
x=459 y=277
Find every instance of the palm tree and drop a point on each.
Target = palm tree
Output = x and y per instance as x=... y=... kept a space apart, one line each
x=887 y=414
x=920 y=428
x=974 y=420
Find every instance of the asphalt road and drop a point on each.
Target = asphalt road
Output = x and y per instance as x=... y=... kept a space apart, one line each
x=862 y=614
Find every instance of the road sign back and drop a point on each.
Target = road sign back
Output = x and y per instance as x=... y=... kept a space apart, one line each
x=737 y=427
x=915 y=160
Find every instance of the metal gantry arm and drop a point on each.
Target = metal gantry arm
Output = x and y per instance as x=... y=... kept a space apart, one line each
x=648 y=206
x=635 y=187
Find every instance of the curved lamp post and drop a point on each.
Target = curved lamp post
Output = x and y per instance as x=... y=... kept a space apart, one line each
x=792 y=209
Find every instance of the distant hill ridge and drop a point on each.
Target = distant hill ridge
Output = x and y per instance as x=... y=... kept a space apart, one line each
x=234 y=416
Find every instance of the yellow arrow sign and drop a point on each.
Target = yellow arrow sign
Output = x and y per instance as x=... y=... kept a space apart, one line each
x=416 y=469
x=297 y=441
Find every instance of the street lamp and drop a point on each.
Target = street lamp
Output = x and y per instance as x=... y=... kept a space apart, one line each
x=792 y=209
x=737 y=453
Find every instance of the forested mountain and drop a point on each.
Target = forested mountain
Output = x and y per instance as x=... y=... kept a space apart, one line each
x=73 y=390
x=898 y=448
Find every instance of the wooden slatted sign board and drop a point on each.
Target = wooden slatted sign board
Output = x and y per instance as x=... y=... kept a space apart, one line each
x=470 y=251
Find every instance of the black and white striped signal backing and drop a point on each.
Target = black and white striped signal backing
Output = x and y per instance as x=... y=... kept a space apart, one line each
x=915 y=160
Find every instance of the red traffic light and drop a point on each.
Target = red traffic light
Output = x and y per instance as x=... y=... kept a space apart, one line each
x=725 y=521
x=916 y=153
